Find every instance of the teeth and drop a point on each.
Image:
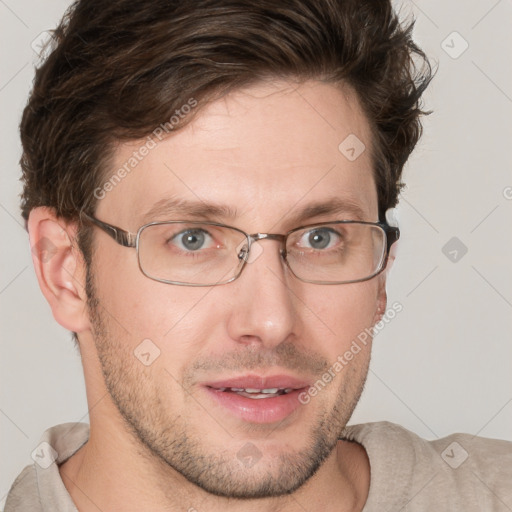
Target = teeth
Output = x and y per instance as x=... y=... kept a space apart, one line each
x=256 y=392
x=269 y=391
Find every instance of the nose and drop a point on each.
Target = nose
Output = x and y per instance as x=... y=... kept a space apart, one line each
x=263 y=311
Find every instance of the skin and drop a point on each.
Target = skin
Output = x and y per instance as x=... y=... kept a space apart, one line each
x=157 y=440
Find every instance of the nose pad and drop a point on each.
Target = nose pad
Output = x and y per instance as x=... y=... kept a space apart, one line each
x=249 y=254
x=242 y=251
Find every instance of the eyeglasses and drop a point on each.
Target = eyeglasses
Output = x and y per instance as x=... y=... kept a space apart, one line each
x=196 y=253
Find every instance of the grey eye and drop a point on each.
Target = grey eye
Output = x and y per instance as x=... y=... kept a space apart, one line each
x=319 y=238
x=191 y=240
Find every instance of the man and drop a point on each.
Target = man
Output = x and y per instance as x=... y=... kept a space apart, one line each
x=206 y=189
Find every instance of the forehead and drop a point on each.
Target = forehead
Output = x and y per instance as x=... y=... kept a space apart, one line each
x=259 y=153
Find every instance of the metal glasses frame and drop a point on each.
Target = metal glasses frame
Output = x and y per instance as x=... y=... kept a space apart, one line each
x=128 y=239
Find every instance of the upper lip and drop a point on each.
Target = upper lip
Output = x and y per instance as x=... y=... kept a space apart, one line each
x=259 y=382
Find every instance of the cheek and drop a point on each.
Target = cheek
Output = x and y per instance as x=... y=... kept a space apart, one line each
x=177 y=319
x=345 y=310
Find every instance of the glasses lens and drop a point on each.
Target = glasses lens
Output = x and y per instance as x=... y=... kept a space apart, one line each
x=337 y=252
x=191 y=252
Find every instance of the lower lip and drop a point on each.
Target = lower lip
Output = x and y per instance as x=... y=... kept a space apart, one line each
x=258 y=410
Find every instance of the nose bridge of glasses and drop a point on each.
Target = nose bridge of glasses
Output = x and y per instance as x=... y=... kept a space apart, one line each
x=256 y=237
x=267 y=236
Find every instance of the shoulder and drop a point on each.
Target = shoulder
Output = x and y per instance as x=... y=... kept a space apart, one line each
x=24 y=494
x=454 y=449
x=485 y=463
x=459 y=470
x=41 y=482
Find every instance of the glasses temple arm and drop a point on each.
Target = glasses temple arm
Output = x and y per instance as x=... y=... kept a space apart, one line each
x=392 y=235
x=122 y=237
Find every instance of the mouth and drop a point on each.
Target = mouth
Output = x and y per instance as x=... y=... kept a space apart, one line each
x=257 y=399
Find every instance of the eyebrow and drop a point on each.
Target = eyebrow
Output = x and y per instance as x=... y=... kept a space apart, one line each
x=167 y=208
x=181 y=209
x=335 y=206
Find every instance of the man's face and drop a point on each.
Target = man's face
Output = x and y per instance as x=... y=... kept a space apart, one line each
x=266 y=153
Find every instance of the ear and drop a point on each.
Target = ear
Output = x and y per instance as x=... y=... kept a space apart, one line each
x=382 y=297
x=391 y=258
x=59 y=267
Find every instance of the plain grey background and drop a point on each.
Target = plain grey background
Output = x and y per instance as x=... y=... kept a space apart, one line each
x=443 y=364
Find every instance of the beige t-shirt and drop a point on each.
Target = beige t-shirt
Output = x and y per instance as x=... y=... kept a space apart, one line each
x=408 y=474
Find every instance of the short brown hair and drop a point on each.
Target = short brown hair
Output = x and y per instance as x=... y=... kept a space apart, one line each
x=120 y=68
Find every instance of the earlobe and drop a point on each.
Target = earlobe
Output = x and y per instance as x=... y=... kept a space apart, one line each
x=59 y=267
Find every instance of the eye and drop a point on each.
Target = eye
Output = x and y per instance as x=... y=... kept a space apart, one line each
x=319 y=238
x=192 y=239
